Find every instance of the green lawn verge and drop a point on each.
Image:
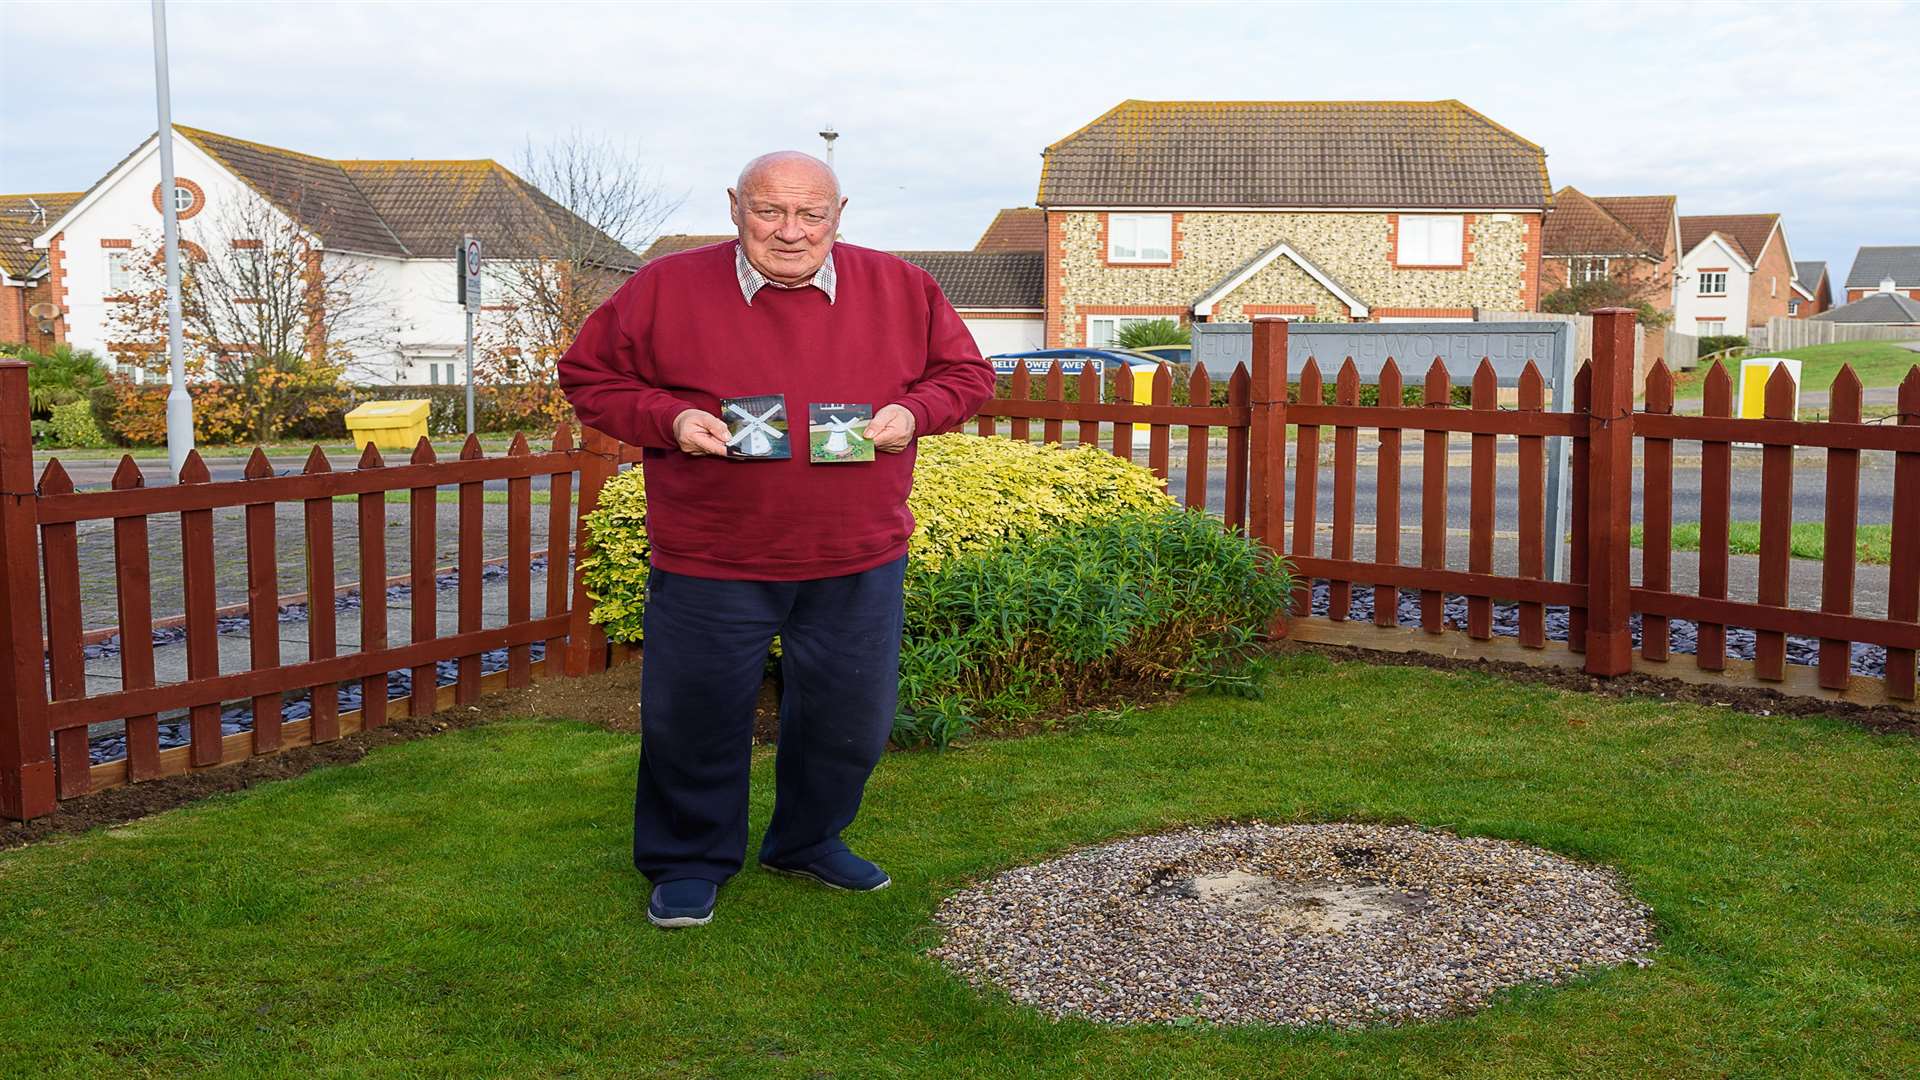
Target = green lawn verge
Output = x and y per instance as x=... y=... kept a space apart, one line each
x=1877 y=363
x=1874 y=543
x=464 y=905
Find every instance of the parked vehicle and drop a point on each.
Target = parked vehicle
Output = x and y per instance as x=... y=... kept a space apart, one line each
x=1172 y=354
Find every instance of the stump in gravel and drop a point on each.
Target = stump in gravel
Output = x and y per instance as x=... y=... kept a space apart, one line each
x=1336 y=924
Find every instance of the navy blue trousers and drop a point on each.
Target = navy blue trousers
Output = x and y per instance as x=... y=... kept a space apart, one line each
x=702 y=660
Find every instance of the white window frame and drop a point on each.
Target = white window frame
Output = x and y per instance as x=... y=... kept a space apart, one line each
x=1580 y=269
x=1116 y=323
x=1127 y=243
x=120 y=265
x=1700 y=327
x=179 y=190
x=1431 y=240
x=1707 y=277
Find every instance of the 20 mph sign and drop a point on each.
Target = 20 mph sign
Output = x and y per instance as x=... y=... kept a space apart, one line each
x=469 y=256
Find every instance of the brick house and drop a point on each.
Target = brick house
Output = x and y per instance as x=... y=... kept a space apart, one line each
x=1812 y=291
x=1736 y=272
x=400 y=220
x=1633 y=239
x=999 y=293
x=1219 y=210
x=1885 y=269
x=26 y=272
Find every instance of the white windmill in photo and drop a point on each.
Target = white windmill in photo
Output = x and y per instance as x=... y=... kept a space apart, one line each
x=758 y=432
x=839 y=430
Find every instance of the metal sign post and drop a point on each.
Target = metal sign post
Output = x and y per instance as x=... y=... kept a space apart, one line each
x=469 y=259
x=179 y=402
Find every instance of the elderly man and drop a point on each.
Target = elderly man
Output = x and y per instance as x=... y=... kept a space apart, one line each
x=750 y=539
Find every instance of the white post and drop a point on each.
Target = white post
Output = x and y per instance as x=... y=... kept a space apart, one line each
x=179 y=404
x=469 y=369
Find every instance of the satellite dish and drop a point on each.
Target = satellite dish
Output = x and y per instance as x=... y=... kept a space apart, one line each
x=43 y=310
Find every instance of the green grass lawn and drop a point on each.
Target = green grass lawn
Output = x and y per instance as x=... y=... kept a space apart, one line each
x=1877 y=363
x=464 y=905
x=1808 y=540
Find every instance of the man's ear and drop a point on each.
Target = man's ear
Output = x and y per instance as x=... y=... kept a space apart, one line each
x=733 y=206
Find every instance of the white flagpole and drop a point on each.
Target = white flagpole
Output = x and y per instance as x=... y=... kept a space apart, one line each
x=179 y=404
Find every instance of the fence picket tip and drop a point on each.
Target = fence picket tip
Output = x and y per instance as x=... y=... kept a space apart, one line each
x=1845 y=381
x=1530 y=379
x=470 y=450
x=518 y=447
x=54 y=479
x=258 y=467
x=370 y=458
x=1484 y=379
x=563 y=436
x=423 y=452
x=128 y=475
x=1436 y=384
x=1782 y=394
x=194 y=469
x=1659 y=388
x=317 y=462
x=1348 y=374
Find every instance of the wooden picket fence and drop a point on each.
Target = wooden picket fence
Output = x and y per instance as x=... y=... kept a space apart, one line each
x=45 y=709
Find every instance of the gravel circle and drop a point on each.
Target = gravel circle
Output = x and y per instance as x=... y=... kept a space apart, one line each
x=1337 y=924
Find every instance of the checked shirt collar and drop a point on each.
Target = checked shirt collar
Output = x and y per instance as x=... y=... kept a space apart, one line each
x=752 y=281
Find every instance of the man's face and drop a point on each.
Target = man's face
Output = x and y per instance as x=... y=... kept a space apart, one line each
x=787 y=215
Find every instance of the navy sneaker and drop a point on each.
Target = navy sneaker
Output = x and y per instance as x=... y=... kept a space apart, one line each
x=686 y=902
x=840 y=870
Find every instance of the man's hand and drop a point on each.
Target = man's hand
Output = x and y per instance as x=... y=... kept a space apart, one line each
x=891 y=429
x=700 y=433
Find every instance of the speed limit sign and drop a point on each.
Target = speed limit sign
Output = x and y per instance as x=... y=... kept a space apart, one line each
x=469 y=259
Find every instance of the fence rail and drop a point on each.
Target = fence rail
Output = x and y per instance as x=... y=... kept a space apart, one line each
x=45 y=709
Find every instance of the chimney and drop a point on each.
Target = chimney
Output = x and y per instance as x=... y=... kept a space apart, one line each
x=1886 y=285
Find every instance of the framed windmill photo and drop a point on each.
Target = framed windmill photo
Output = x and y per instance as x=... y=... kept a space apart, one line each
x=837 y=432
x=756 y=427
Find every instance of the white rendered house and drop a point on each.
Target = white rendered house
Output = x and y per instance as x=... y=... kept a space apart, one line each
x=401 y=221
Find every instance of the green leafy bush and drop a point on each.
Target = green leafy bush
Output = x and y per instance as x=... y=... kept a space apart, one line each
x=1714 y=343
x=1143 y=598
x=60 y=375
x=1142 y=335
x=1039 y=578
x=72 y=426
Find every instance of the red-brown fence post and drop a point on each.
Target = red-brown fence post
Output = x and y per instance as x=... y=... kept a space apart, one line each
x=1267 y=438
x=1609 y=493
x=586 y=643
x=26 y=762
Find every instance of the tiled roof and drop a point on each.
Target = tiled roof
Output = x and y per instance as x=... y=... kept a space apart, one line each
x=1748 y=232
x=1876 y=308
x=1294 y=153
x=986 y=279
x=18 y=227
x=1018 y=228
x=1808 y=274
x=675 y=242
x=1872 y=265
x=1578 y=225
x=1649 y=216
x=313 y=191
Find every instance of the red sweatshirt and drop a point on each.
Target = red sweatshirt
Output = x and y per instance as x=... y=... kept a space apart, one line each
x=680 y=335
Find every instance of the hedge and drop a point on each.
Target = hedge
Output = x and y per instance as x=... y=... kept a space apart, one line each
x=1038 y=577
x=115 y=406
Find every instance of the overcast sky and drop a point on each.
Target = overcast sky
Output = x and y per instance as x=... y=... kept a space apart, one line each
x=1808 y=109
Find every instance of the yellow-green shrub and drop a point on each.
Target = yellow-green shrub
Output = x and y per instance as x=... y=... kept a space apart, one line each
x=969 y=494
x=972 y=493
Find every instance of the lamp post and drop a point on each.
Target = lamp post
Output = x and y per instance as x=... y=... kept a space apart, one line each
x=828 y=134
x=179 y=404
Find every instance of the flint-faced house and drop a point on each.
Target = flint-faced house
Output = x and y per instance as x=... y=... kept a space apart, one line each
x=401 y=220
x=1365 y=211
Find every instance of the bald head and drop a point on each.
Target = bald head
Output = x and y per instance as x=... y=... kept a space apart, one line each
x=786 y=206
x=784 y=167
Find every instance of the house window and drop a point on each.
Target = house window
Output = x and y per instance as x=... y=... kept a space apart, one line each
x=1102 y=329
x=433 y=372
x=1713 y=283
x=1140 y=238
x=1589 y=269
x=1793 y=307
x=119 y=272
x=1709 y=327
x=1431 y=240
